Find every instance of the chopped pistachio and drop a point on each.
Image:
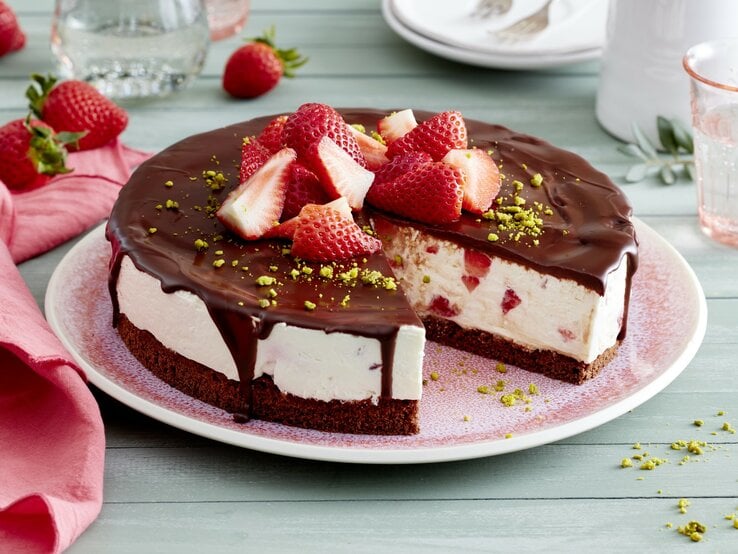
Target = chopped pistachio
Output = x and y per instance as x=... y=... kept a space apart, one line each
x=326 y=272
x=359 y=127
x=264 y=303
x=626 y=462
x=500 y=367
x=694 y=530
x=509 y=399
x=272 y=293
x=219 y=262
x=218 y=252
x=493 y=237
x=483 y=389
x=637 y=446
x=682 y=504
x=508 y=435
x=294 y=273
x=273 y=268
x=379 y=138
x=345 y=301
x=536 y=180
x=265 y=280
x=728 y=427
x=171 y=204
x=152 y=230
x=699 y=422
x=168 y=183
x=532 y=388
x=234 y=263
x=398 y=260
x=310 y=306
x=434 y=376
x=467 y=418
x=426 y=279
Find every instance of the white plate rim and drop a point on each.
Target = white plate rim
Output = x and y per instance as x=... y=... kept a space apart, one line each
x=482 y=59
x=382 y=455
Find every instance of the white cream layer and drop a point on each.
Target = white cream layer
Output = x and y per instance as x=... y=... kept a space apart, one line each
x=553 y=314
x=307 y=363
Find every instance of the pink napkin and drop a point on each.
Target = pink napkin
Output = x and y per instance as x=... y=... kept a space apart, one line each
x=52 y=444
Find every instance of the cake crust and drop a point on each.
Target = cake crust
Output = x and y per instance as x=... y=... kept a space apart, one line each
x=546 y=362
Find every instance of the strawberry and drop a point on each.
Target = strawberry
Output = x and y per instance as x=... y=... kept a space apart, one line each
x=399 y=165
x=271 y=135
x=436 y=136
x=481 y=178
x=254 y=206
x=30 y=153
x=78 y=107
x=375 y=152
x=339 y=174
x=257 y=67
x=431 y=193
x=12 y=37
x=253 y=156
x=396 y=125
x=286 y=229
x=303 y=188
x=311 y=122
x=324 y=234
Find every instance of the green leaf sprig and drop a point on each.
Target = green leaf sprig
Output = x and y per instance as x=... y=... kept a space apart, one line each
x=679 y=158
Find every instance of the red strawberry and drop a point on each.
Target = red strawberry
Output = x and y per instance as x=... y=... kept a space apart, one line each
x=271 y=135
x=30 y=153
x=375 y=153
x=256 y=68
x=311 y=122
x=436 y=136
x=431 y=193
x=339 y=174
x=325 y=234
x=254 y=206
x=12 y=37
x=303 y=188
x=253 y=156
x=286 y=229
x=399 y=165
x=77 y=106
x=481 y=178
x=396 y=125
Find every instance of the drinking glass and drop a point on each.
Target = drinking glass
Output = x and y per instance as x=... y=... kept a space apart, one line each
x=226 y=17
x=130 y=48
x=713 y=70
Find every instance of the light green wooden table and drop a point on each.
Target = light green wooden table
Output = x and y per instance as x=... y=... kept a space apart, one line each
x=169 y=491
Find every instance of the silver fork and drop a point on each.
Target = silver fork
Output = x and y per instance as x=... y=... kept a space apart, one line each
x=491 y=8
x=526 y=27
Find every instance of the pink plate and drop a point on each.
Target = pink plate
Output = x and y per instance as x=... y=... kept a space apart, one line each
x=667 y=324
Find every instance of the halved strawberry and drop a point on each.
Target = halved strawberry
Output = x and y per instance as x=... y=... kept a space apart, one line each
x=253 y=156
x=481 y=178
x=374 y=151
x=313 y=121
x=286 y=229
x=399 y=165
x=271 y=136
x=303 y=188
x=396 y=125
x=255 y=205
x=339 y=174
x=324 y=234
x=437 y=136
x=431 y=193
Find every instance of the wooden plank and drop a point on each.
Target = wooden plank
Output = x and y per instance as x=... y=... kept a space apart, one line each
x=564 y=525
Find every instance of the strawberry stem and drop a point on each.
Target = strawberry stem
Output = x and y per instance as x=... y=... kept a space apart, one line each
x=46 y=149
x=38 y=91
x=290 y=58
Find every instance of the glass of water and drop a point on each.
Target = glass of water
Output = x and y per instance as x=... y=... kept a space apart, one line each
x=130 y=48
x=713 y=69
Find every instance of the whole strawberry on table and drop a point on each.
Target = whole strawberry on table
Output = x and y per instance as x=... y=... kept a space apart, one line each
x=12 y=37
x=71 y=115
x=258 y=66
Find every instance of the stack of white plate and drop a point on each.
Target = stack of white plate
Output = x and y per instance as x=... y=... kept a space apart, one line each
x=448 y=28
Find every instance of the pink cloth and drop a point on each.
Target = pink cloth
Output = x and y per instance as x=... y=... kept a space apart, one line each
x=52 y=444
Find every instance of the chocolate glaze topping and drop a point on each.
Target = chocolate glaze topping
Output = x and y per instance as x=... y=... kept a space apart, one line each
x=584 y=239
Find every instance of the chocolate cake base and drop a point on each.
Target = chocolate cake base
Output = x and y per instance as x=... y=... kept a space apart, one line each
x=387 y=417
x=551 y=364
